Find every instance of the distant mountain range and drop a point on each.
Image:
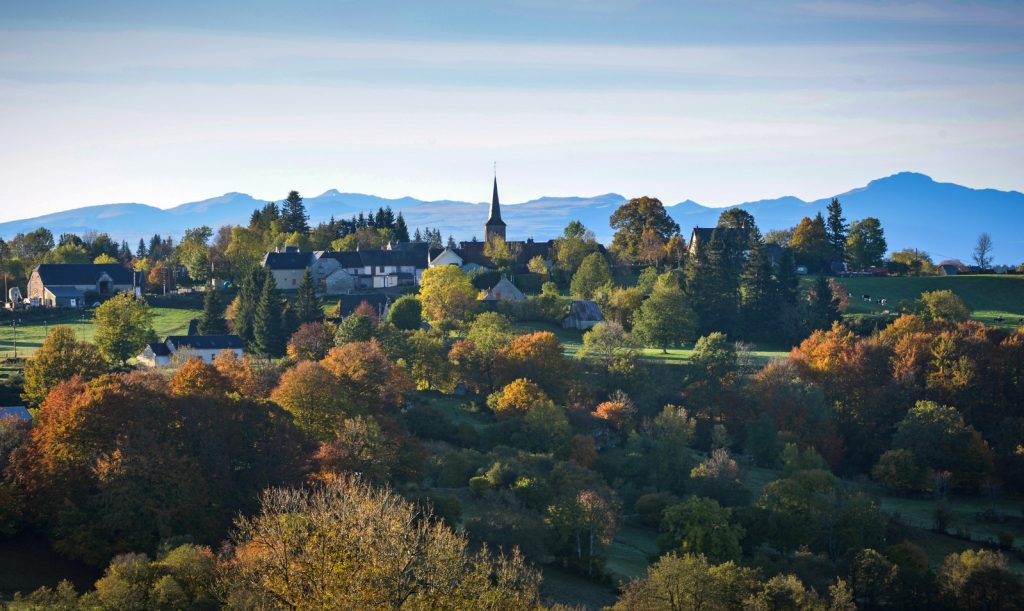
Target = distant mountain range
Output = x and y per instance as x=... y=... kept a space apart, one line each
x=943 y=219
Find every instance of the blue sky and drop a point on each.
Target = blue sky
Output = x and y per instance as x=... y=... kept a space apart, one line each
x=718 y=101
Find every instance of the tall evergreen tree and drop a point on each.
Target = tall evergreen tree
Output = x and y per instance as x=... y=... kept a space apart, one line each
x=665 y=319
x=248 y=297
x=294 y=215
x=387 y=219
x=837 y=229
x=759 y=297
x=401 y=229
x=821 y=306
x=713 y=284
x=307 y=309
x=417 y=237
x=213 y=322
x=141 y=251
x=267 y=326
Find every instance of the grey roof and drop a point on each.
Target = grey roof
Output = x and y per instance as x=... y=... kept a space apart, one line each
x=346 y=259
x=159 y=349
x=287 y=260
x=65 y=291
x=19 y=412
x=585 y=310
x=206 y=342
x=56 y=274
x=348 y=303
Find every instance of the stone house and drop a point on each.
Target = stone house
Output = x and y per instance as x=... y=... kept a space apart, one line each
x=70 y=285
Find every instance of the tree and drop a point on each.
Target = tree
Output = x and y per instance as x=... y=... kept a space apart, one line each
x=124 y=325
x=837 y=229
x=370 y=382
x=980 y=579
x=447 y=294
x=61 y=357
x=584 y=523
x=374 y=550
x=865 y=246
x=811 y=245
x=665 y=318
x=944 y=305
x=760 y=295
x=307 y=306
x=268 y=331
x=213 y=322
x=701 y=526
x=712 y=279
x=293 y=214
x=938 y=436
x=312 y=395
x=592 y=274
x=406 y=313
x=498 y=251
x=822 y=310
x=537 y=265
x=401 y=229
x=983 y=251
x=311 y=341
x=245 y=305
x=539 y=357
x=901 y=471
x=609 y=345
x=630 y=221
x=517 y=398
x=689 y=583
x=573 y=246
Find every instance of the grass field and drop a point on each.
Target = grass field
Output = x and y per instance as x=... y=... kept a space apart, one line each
x=33 y=329
x=990 y=296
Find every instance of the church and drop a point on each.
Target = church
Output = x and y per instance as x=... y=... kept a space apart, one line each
x=470 y=255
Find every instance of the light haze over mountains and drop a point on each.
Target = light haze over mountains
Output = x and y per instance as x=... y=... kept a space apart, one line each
x=943 y=219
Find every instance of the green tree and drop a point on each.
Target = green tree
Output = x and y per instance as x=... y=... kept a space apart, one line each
x=630 y=221
x=592 y=274
x=447 y=294
x=307 y=306
x=837 y=230
x=124 y=325
x=61 y=357
x=354 y=328
x=293 y=214
x=944 y=305
x=760 y=297
x=213 y=322
x=575 y=243
x=701 y=526
x=865 y=246
x=268 y=331
x=689 y=583
x=245 y=305
x=665 y=318
x=978 y=580
x=822 y=310
x=901 y=471
x=712 y=281
x=406 y=313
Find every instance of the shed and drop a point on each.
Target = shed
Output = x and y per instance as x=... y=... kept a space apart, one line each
x=504 y=290
x=583 y=315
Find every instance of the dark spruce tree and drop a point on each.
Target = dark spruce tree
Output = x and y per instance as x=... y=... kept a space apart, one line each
x=248 y=298
x=307 y=308
x=293 y=214
x=213 y=321
x=269 y=335
x=401 y=229
x=837 y=230
x=821 y=309
x=141 y=251
x=759 y=297
x=712 y=281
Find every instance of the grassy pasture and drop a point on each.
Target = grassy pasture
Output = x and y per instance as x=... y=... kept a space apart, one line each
x=990 y=296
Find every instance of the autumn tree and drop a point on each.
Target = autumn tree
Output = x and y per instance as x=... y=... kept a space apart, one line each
x=370 y=382
x=517 y=398
x=630 y=221
x=689 y=581
x=811 y=245
x=447 y=294
x=61 y=357
x=574 y=245
x=537 y=356
x=124 y=325
x=311 y=341
x=943 y=305
x=500 y=253
x=373 y=550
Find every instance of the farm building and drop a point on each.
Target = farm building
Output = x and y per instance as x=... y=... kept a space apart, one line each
x=206 y=347
x=70 y=285
x=583 y=315
x=504 y=290
x=18 y=412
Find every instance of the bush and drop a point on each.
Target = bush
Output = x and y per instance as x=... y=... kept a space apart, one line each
x=650 y=507
x=478 y=485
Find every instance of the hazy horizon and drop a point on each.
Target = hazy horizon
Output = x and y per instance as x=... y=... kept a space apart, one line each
x=718 y=102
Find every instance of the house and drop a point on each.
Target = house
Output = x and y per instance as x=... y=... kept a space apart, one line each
x=205 y=347
x=18 y=412
x=948 y=269
x=70 y=285
x=504 y=290
x=583 y=315
x=378 y=301
x=287 y=266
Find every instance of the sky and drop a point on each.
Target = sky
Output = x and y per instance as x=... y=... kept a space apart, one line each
x=719 y=101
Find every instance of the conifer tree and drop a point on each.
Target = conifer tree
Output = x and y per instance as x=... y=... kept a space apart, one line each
x=759 y=298
x=294 y=215
x=665 y=319
x=248 y=298
x=837 y=229
x=401 y=229
x=307 y=309
x=417 y=237
x=713 y=284
x=213 y=322
x=267 y=325
x=141 y=251
x=821 y=306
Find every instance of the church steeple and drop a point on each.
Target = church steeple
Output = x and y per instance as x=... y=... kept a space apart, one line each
x=494 y=226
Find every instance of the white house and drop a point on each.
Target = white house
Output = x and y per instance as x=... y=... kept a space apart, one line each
x=206 y=347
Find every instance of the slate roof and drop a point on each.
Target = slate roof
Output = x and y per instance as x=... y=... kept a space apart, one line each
x=347 y=259
x=585 y=310
x=287 y=260
x=348 y=303
x=58 y=274
x=19 y=412
x=206 y=342
x=160 y=349
x=65 y=291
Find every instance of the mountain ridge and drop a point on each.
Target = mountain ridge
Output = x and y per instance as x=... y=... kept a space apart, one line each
x=916 y=211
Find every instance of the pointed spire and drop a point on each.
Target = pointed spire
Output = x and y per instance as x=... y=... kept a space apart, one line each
x=494 y=218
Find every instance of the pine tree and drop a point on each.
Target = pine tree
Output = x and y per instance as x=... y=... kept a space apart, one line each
x=141 y=252
x=451 y=241
x=213 y=322
x=401 y=229
x=837 y=230
x=759 y=297
x=388 y=219
x=417 y=237
x=821 y=306
x=267 y=325
x=307 y=309
x=248 y=298
x=713 y=284
x=665 y=319
x=294 y=215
